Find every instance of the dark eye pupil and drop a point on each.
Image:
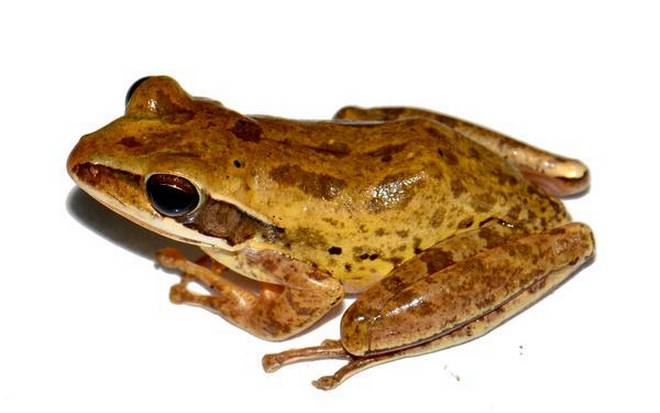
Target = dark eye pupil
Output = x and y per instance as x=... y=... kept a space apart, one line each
x=172 y=195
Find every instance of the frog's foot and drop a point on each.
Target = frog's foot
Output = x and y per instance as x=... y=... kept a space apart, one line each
x=328 y=349
x=276 y=312
x=404 y=316
x=179 y=292
x=556 y=174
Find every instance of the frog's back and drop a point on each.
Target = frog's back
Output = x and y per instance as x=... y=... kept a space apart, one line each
x=365 y=196
x=355 y=198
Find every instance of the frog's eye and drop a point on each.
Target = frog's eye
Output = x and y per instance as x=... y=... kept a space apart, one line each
x=172 y=195
x=134 y=87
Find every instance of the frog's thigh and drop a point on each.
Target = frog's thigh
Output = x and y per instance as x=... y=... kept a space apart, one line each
x=558 y=175
x=467 y=332
x=496 y=280
x=459 y=247
x=306 y=294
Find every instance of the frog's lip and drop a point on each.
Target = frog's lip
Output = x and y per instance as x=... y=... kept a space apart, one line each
x=147 y=221
x=166 y=227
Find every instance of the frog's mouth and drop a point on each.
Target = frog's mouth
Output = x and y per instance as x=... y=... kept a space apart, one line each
x=215 y=223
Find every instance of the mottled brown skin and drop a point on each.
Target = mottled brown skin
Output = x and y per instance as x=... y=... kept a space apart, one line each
x=456 y=291
x=440 y=222
x=558 y=175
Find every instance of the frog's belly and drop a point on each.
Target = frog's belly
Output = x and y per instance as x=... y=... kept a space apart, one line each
x=239 y=261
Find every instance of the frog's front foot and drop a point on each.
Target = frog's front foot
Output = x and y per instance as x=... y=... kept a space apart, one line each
x=304 y=295
x=179 y=292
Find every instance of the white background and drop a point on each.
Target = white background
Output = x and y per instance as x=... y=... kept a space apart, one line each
x=85 y=322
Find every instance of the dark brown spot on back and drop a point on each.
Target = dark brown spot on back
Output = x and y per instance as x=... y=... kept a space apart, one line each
x=417 y=242
x=307 y=236
x=130 y=142
x=318 y=185
x=247 y=130
x=365 y=253
x=436 y=133
x=394 y=260
x=466 y=223
x=514 y=212
x=450 y=157
x=338 y=149
x=457 y=188
x=330 y=221
x=491 y=236
x=385 y=153
x=438 y=217
x=483 y=202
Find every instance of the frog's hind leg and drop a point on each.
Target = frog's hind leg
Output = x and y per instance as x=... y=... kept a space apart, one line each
x=472 y=330
x=558 y=175
x=450 y=302
x=277 y=312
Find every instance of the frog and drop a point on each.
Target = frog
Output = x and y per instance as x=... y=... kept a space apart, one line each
x=441 y=228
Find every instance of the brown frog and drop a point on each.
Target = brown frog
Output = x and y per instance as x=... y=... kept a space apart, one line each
x=447 y=229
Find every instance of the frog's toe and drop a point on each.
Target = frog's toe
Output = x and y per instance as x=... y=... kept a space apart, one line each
x=169 y=257
x=326 y=383
x=179 y=293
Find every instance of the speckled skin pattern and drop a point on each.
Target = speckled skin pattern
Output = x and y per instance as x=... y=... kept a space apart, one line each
x=461 y=218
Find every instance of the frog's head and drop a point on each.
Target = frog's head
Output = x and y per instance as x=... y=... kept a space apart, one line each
x=161 y=166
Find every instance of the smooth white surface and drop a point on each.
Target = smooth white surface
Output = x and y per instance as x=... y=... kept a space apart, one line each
x=85 y=322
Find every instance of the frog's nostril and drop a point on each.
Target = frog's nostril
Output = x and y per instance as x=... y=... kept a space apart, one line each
x=134 y=87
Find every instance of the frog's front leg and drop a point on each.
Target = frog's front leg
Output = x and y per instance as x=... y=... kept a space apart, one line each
x=558 y=175
x=304 y=295
x=459 y=302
